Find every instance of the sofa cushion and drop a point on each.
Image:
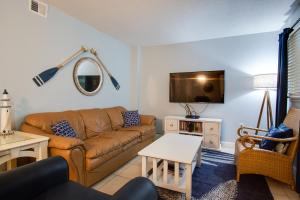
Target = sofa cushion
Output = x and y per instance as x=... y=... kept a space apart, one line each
x=104 y=147
x=125 y=138
x=115 y=115
x=96 y=121
x=282 y=147
x=92 y=163
x=108 y=141
x=146 y=131
x=98 y=146
x=44 y=121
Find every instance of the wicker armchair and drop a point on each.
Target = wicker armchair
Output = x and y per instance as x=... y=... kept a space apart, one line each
x=252 y=160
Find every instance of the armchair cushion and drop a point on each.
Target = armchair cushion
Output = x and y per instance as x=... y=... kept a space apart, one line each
x=73 y=191
x=28 y=181
x=48 y=179
x=137 y=189
x=281 y=132
x=282 y=147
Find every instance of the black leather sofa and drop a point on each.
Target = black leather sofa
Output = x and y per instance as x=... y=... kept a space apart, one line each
x=48 y=180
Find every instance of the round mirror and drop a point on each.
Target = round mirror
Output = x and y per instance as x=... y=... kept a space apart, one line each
x=88 y=76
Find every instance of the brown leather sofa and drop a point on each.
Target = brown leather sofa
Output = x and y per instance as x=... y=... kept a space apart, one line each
x=102 y=144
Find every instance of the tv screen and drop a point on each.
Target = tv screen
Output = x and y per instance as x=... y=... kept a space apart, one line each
x=202 y=86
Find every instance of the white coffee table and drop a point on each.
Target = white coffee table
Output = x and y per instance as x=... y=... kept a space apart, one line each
x=182 y=150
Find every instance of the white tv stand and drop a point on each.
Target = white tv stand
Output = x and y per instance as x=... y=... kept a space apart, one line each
x=209 y=128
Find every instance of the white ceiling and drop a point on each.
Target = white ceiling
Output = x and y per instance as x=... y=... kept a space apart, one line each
x=153 y=22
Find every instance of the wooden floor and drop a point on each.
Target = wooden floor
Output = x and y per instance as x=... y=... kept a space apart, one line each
x=133 y=168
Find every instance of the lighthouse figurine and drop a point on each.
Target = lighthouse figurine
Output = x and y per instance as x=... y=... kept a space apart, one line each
x=5 y=106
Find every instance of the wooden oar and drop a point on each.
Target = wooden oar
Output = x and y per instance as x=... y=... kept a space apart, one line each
x=46 y=75
x=113 y=80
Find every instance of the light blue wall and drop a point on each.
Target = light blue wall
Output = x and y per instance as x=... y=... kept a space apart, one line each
x=240 y=57
x=30 y=44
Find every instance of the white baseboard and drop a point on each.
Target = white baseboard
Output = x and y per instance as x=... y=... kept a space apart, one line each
x=226 y=144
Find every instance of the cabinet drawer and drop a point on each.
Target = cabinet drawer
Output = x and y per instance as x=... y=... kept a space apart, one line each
x=171 y=125
x=211 y=128
x=212 y=141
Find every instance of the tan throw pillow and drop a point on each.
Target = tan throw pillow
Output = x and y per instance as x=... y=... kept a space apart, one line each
x=281 y=147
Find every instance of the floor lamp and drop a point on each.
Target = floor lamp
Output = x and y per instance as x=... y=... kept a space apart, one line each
x=266 y=82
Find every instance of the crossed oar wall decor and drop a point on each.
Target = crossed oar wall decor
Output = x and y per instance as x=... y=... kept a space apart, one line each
x=46 y=75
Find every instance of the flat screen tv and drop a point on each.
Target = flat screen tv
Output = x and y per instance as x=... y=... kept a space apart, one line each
x=193 y=87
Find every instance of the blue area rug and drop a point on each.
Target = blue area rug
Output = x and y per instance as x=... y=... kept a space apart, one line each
x=218 y=167
x=218 y=171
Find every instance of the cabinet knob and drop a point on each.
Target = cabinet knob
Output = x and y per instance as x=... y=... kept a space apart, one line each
x=211 y=142
x=211 y=129
x=171 y=125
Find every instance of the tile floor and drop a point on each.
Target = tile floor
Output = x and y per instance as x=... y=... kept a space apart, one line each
x=115 y=181
x=132 y=169
x=281 y=191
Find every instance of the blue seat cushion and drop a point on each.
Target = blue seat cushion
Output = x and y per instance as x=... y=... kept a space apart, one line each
x=281 y=132
x=131 y=118
x=63 y=128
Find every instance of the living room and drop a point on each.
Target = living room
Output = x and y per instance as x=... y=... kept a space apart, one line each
x=126 y=115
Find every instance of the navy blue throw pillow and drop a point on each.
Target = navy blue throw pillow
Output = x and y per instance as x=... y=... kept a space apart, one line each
x=63 y=128
x=131 y=118
x=281 y=132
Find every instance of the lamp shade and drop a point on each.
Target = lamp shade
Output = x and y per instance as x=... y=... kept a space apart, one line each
x=265 y=81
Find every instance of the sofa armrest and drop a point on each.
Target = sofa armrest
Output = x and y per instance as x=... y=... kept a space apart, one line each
x=58 y=142
x=137 y=189
x=64 y=142
x=71 y=149
x=29 y=181
x=148 y=120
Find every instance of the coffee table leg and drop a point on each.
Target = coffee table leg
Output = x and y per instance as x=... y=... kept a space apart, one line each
x=154 y=174
x=165 y=172
x=188 y=186
x=199 y=156
x=176 y=174
x=144 y=166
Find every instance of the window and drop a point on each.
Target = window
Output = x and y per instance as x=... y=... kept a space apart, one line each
x=294 y=65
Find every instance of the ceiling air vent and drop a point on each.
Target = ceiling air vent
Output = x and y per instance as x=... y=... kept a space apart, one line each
x=38 y=7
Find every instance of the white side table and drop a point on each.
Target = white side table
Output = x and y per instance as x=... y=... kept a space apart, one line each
x=22 y=144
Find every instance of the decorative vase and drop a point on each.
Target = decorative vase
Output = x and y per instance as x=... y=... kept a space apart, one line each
x=5 y=107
